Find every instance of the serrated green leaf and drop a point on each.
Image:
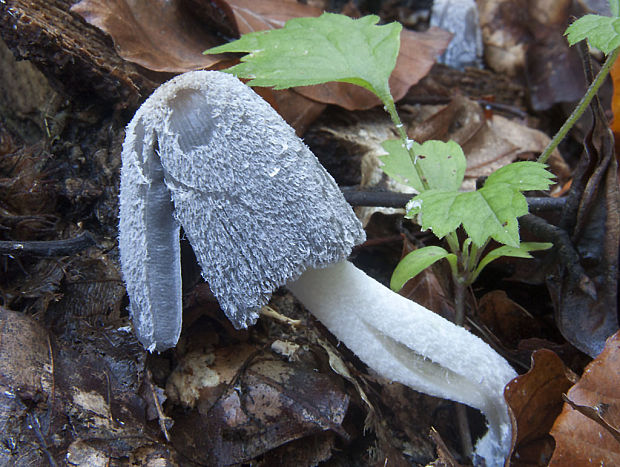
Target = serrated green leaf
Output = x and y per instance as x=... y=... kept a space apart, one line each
x=522 y=251
x=416 y=262
x=309 y=51
x=490 y=212
x=443 y=164
x=614 y=7
x=602 y=32
x=522 y=176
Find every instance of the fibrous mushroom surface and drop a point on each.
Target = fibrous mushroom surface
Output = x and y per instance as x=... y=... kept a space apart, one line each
x=254 y=202
x=207 y=153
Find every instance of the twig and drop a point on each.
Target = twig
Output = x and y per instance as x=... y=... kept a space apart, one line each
x=393 y=199
x=66 y=247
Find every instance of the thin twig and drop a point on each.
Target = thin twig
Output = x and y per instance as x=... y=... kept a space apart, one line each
x=392 y=199
x=49 y=248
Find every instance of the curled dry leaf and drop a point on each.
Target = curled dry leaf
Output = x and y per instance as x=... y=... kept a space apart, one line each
x=579 y=439
x=156 y=34
x=585 y=295
x=535 y=400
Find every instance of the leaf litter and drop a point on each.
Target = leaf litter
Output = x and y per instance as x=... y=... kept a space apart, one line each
x=97 y=380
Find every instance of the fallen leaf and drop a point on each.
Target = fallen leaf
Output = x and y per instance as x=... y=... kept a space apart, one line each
x=526 y=41
x=259 y=15
x=586 y=300
x=159 y=35
x=269 y=403
x=297 y=110
x=509 y=321
x=204 y=375
x=489 y=144
x=25 y=355
x=579 y=439
x=615 y=103
x=535 y=400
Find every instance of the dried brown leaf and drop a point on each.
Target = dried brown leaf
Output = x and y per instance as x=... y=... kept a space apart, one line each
x=509 y=321
x=526 y=40
x=579 y=439
x=489 y=144
x=535 y=399
x=269 y=403
x=25 y=355
x=585 y=294
x=259 y=15
x=159 y=35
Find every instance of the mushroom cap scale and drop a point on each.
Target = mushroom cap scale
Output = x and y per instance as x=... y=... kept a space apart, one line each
x=256 y=205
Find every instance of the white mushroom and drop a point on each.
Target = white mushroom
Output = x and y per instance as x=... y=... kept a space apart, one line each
x=207 y=153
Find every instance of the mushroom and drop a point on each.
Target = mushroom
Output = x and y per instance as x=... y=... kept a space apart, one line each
x=206 y=153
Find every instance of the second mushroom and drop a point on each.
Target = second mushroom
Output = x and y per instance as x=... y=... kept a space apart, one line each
x=206 y=153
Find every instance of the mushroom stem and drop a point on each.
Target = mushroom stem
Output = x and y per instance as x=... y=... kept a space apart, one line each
x=405 y=342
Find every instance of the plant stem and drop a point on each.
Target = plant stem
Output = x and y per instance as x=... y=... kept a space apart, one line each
x=461 y=411
x=581 y=107
x=390 y=107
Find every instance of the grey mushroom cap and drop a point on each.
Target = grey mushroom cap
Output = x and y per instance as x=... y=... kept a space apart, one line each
x=206 y=152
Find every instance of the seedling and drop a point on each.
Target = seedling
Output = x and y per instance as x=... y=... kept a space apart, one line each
x=304 y=53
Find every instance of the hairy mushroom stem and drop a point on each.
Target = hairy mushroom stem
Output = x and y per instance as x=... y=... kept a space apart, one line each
x=206 y=153
x=405 y=342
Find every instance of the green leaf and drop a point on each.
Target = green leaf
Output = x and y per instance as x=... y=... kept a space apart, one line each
x=489 y=212
x=443 y=164
x=602 y=32
x=614 y=6
x=519 y=252
x=416 y=262
x=309 y=51
x=522 y=176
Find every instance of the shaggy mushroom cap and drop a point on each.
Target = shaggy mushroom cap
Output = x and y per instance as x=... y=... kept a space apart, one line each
x=206 y=152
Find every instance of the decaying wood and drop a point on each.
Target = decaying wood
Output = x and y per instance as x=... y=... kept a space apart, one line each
x=78 y=58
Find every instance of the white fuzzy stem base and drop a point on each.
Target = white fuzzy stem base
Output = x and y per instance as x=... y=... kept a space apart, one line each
x=405 y=342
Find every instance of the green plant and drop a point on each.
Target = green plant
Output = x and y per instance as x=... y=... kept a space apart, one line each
x=603 y=33
x=337 y=48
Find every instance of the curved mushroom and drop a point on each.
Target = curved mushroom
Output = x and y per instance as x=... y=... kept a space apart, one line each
x=207 y=153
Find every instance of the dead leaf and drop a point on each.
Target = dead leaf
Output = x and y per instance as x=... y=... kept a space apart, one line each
x=270 y=403
x=297 y=110
x=615 y=103
x=535 y=400
x=52 y=386
x=586 y=301
x=203 y=376
x=579 y=439
x=526 y=40
x=25 y=355
x=509 y=321
x=489 y=144
x=159 y=35
x=259 y=15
